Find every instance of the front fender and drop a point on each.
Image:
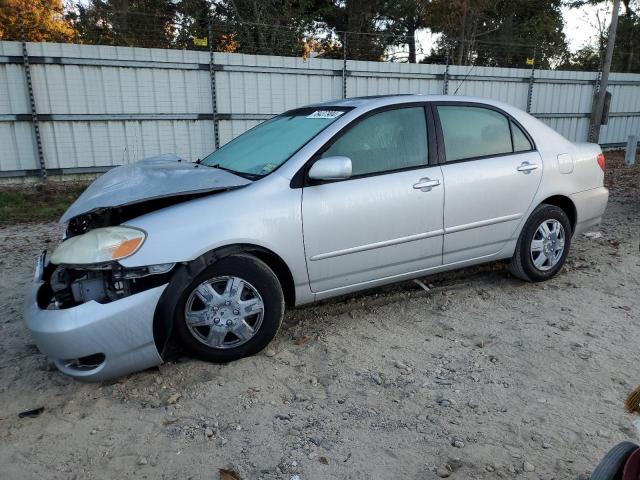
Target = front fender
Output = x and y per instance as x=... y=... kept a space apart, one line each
x=266 y=214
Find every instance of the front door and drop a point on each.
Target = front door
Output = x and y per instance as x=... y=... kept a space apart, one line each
x=491 y=172
x=387 y=219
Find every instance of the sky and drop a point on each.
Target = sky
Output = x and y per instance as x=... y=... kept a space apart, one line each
x=580 y=24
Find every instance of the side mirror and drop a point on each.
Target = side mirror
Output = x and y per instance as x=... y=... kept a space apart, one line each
x=331 y=168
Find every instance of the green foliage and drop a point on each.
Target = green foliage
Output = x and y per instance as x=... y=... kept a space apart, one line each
x=626 y=55
x=500 y=32
x=586 y=58
x=135 y=23
x=45 y=202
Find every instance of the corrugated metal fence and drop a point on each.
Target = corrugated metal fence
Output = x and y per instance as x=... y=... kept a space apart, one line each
x=99 y=106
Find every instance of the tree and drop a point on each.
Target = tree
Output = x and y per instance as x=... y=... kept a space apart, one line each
x=500 y=32
x=192 y=22
x=586 y=58
x=368 y=32
x=459 y=22
x=407 y=17
x=134 y=23
x=41 y=21
x=626 y=56
x=272 y=27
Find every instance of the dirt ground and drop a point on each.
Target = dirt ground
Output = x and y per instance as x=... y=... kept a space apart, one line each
x=482 y=377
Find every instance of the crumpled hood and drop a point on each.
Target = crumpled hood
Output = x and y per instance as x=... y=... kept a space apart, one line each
x=154 y=177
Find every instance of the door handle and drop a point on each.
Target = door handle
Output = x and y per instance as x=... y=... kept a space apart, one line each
x=527 y=167
x=426 y=184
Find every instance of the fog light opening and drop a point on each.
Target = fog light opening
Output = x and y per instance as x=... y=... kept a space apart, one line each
x=89 y=362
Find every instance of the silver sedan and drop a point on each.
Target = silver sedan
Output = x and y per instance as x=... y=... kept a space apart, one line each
x=317 y=202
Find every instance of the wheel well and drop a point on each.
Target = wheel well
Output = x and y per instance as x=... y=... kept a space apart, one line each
x=566 y=205
x=282 y=272
x=184 y=273
x=274 y=262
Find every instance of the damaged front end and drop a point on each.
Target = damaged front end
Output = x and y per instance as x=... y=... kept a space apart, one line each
x=96 y=322
x=91 y=315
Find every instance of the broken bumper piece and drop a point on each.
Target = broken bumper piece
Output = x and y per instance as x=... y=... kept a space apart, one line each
x=96 y=341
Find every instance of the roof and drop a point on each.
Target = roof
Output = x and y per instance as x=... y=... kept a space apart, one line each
x=381 y=100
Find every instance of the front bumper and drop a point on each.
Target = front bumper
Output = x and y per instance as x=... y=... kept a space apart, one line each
x=119 y=333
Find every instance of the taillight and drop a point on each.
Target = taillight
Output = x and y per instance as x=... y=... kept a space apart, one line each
x=601 y=161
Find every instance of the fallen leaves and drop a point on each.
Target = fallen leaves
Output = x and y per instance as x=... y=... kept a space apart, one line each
x=302 y=340
x=229 y=475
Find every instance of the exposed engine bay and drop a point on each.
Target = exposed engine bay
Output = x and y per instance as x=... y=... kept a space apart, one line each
x=66 y=287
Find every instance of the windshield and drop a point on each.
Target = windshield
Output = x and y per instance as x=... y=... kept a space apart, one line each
x=265 y=147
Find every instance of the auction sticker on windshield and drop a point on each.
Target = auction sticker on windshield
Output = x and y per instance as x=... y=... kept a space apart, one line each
x=326 y=114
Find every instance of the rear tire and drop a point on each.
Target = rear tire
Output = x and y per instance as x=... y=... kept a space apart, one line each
x=543 y=244
x=230 y=310
x=612 y=465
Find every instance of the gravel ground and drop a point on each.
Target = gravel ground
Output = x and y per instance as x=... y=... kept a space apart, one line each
x=481 y=377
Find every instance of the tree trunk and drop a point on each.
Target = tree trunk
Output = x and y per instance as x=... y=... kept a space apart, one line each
x=411 y=40
x=462 y=37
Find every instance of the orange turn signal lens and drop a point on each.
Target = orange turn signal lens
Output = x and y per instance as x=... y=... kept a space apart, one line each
x=125 y=248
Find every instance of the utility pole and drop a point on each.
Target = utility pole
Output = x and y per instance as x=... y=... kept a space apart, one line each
x=596 y=114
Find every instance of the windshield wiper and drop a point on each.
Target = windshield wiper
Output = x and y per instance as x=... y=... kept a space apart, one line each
x=249 y=176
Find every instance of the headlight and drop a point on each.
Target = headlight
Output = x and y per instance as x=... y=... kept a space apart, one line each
x=99 y=246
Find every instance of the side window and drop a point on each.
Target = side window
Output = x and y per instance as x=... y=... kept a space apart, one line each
x=473 y=132
x=389 y=140
x=520 y=141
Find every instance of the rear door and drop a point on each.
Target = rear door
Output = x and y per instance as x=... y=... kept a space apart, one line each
x=386 y=220
x=492 y=172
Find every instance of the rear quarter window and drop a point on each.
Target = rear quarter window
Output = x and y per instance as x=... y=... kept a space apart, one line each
x=520 y=141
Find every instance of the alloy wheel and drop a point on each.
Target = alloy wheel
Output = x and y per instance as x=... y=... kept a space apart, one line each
x=224 y=312
x=547 y=245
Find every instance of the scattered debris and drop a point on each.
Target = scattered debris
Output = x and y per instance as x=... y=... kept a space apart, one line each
x=457 y=442
x=421 y=284
x=444 y=471
x=31 y=413
x=377 y=379
x=593 y=235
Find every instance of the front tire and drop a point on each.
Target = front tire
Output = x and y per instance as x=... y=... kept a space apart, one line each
x=231 y=310
x=543 y=244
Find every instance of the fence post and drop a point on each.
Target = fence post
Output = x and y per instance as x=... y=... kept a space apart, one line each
x=344 y=66
x=532 y=80
x=214 y=98
x=596 y=91
x=445 y=83
x=630 y=152
x=32 y=103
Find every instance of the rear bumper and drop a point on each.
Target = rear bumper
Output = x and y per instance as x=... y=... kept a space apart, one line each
x=590 y=206
x=119 y=333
